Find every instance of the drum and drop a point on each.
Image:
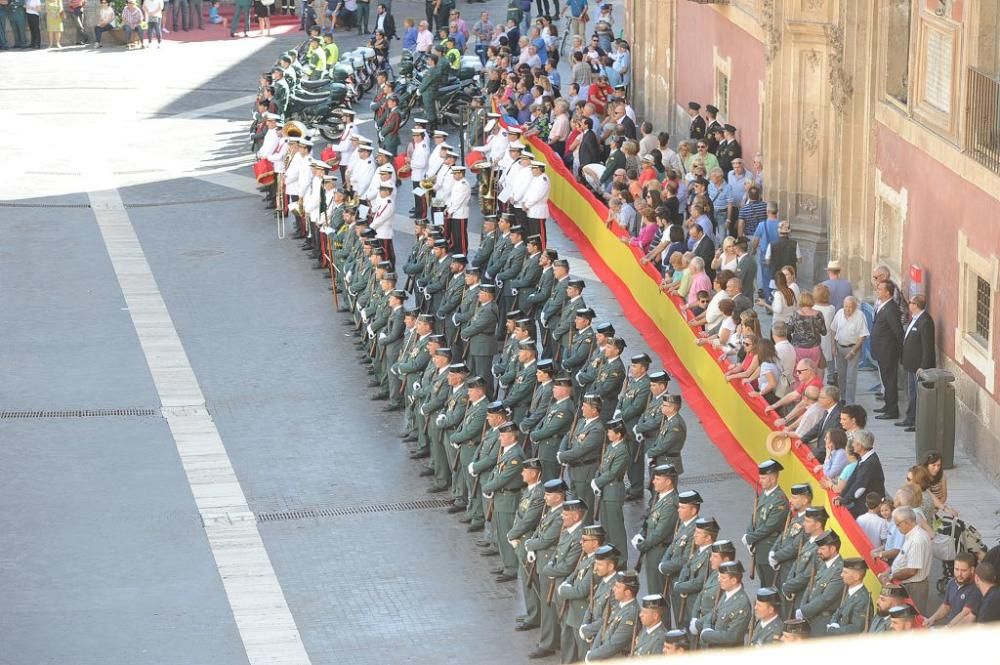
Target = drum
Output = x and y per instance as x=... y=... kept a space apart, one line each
x=330 y=156
x=473 y=159
x=402 y=166
x=263 y=171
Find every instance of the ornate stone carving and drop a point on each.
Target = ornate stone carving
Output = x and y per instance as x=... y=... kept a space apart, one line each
x=841 y=83
x=813 y=58
x=814 y=5
x=809 y=206
x=772 y=32
x=810 y=134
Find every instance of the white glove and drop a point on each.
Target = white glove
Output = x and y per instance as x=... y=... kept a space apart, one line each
x=559 y=457
x=580 y=633
x=541 y=319
x=744 y=541
x=693 y=627
x=513 y=291
x=487 y=495
x=416 y=385
x=771 y=560
x=637 y=540
x=798 y=614
x=499 y=283
x=394 y=370
x=707 y=630
x=347 y=277
x=454 y=445
x=595 y=488
x=364 y=317
x=454 y=319
x=530 y=557
x=371 y=332
x=381 y=337
x=832 y=625
x=617 y=414
x=639 y=438
x=440 y=420
x=472 y=471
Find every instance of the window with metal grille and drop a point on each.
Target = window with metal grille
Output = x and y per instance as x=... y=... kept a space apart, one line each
x=722 y=92
x=984 y=310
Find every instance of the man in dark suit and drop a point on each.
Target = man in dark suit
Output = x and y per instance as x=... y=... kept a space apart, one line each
x=829 y=399
x=590 y=149
x=385 y=21
x=887 y=342
x=918 y=354
x=712 y=126
x=697 y=131
x=868 y=475
x=729 y=149
x=746 y=268
x=626 y=127
x=703 y=247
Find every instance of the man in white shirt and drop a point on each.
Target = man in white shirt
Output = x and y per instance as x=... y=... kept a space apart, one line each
x=362 y=171
x=912 y=565
x=383 y=210
x=849 y=329
x=785 y=351
x=425 y=39
x=418 y=154
x=458 y=211
x=536 y=201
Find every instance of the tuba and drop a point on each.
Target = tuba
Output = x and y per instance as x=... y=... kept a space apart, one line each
x=295 y=129
x=487 y=195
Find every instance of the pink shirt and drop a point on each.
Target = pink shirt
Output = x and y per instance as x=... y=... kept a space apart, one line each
x=645 y=237
x=424 y=41
x=699 y=282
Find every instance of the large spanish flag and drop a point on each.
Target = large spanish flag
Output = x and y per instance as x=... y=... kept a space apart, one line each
x=735 y=422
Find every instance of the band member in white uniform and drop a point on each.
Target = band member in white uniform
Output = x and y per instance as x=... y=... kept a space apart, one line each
x=419 y=154
x=383 y=210
x=458 y=211
x=363 y=171
x=345 y=147
x=509 y=167
x=384 y=175
x=519 y=187
x=536 y=201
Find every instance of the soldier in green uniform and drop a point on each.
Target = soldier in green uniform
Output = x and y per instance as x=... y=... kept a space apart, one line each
x=536 y=548
x=567 y=555
x=797 y=580
x=618 y=634
x=727 y=625
x=429 y=388
x=434 y=285
x=390 y=339
x=531 y=301
x=506 y=366
x=503 y=489
x=608 y=486
x=890 y=596
x=585 y=376
x=428 y=88
x=670 y=438
x=414 y=263
x=855 y=610
x=688 y=505
x=659 y=526
x=691 y=578
x=580 y=450
x=547 y=436
x=479 y=334
x=721 y=551
x=533 y=506
x=795 y=630
x=676 y=642
x=434 y=395
x=512 y=266
x=466 y=437
x=767 y=626
x=498 y=257
x=408 y=369
x=598 y=612
x=579 y=342
x=561 y=327
x=631 y=405
x=523 y=284
x=452 y=298
x=483 y=460
x=649 y=641
x=519 y=395
x=541 y=398
x=487 y=241
x=551 y=310
x=470 y=301
x=786 y=548
x=446 y=421
x=767 y=521
x=901 y=618
x=575 y=593
x=610 y=377
x=409 y=433
x=822 y=595
x=280 y=93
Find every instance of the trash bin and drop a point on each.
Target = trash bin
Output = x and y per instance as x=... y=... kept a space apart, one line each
x=936 y=415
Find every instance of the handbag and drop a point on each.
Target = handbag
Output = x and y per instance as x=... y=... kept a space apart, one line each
x=144 y=25
x=943 y=544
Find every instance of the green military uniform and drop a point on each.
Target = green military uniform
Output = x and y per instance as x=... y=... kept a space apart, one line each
x=409 y=340
x=525 y=280
x=608 y=384
x=764 y=529
x=586 y=375
x=506 y=365
x=689 y=583
x=702 y=605
x=880 y=624
x=435 y=400
x=480 y=335
x=541 y=398
x=727 y=626
x=448 y=421
x=575 y=593
x=669 y=442
x=483 y=460
x=408 y=370
x=562 y=564
x=658 y=531
x=437 y=282
x=822 y=597
x=450 y=303
x=498 y=257
x=769 y=634
x=631 y=405
x=786 y=547
x=487 y=242
x=650 y=642
x=280 y=95
x=429 y=84
x=531 y=511
x=551 y=311
x=543 y=542
x=853 y=614
x=798 y=579
x=519 y=395
x=513 y=263
x=467 y=308
x=530 y=299
x=580 y=451
x=599 y=611
x=676 y=555
x=390 y=342
x=467 y=435
x=610 y=479
x=560 y=328
x=549 y=433
x=504 y=484
x=615 y=639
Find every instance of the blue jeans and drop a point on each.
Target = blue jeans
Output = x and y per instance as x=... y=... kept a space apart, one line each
x=129 y=31
x=481 y=52
x=764 y=276
x=99 y=30
x=154 y=26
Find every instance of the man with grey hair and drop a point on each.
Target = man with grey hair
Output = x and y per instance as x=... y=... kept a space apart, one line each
x=785 y=351
x=868 y=475
x=765 y=234
x=849 y=330
x=912 y=565
x=829 y=400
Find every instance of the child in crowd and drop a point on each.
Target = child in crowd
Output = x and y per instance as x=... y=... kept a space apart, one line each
x=213 y=15
x=872 y=522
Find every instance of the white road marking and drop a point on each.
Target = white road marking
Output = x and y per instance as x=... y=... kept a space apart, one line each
x=260 y=610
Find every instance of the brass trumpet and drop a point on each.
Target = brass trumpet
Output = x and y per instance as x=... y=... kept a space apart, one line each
x=487 y=195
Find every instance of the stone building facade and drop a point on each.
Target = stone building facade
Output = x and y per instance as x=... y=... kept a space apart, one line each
x=879 y=127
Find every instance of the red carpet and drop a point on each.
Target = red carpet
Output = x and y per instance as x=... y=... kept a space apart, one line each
x=280 y=25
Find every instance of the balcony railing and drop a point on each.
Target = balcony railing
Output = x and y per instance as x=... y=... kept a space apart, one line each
x=982 y=120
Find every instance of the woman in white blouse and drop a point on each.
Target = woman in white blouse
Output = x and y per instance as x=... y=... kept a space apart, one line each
x=784 y=302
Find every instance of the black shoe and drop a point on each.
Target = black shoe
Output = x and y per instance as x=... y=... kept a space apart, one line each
x=482 y=542
x=880 y=396
x=521 y=618
x=473 y=528
x=465 y=519
x=380 y=397
x=496 y=571
x=455 y=508
x=903 y=423
x=506 y=578
x=492 y=551
x=911 y=428
x=409 y=438
x=389 y=408
x=526 y=626
x=341 y=309
x=887 y=416
x=370 y=371
x=540 y=653
x=434 y=489
x=421 y=454
x=426 y=473
x=374 y=384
